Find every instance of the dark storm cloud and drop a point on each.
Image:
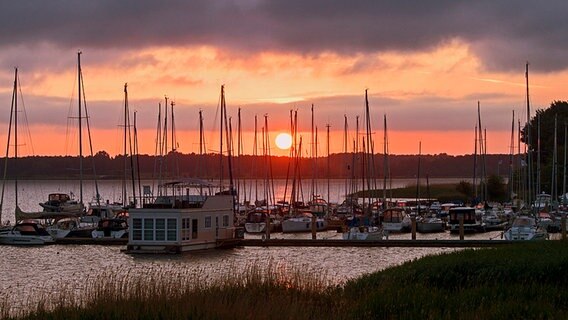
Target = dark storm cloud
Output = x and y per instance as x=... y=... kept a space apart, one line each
x=504 y=33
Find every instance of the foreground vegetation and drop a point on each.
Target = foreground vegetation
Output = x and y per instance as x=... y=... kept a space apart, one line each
x=521 y=281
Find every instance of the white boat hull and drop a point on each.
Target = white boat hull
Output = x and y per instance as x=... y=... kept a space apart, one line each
x=255 y=227
x=302 y=225
x=16 y=239
x=356 y=233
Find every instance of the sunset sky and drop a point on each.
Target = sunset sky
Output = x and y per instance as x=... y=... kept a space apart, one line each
x=425 y=64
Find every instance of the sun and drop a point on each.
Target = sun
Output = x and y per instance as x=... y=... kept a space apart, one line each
x=283 y=141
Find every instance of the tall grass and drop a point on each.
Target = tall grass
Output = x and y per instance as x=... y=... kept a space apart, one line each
x=269 y=291
x=525 y=280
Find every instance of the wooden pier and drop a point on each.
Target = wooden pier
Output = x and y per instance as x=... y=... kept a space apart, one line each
x=424 y=243
x=373 y=243
x=97 y=241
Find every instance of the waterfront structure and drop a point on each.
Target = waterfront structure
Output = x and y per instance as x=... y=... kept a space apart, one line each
x=178 y=223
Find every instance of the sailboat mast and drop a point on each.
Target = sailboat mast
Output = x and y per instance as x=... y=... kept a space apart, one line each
x=328 y=190
x=369 y=153
x=345 y=147
x=385 y=161
x=221 y=138
x=15 y=134
x=313 y=191
x=418 y=178
x=124 y=144
x=511 y=153
x=538 y=169
x=554 y=183
x=529 y=141
x=79 y=77
x=12 y=107
x=137 y=158
x=255 y=156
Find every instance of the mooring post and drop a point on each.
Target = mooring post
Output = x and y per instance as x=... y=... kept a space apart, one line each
x=313 y=227
x=413 y=220
x=461 y=226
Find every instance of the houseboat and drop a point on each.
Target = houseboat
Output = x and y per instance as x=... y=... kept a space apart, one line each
x=472 y=220
x=183 y=222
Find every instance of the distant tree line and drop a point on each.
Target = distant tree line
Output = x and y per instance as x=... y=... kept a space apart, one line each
x=208 y=166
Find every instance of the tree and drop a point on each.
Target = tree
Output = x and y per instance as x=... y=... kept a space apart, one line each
x=496 y=188
x=546 y=117
x=465 y=188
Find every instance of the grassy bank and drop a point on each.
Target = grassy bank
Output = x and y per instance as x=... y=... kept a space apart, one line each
x=442 y=192
x=521 y=281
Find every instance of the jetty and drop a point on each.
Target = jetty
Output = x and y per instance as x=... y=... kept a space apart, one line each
x=426 y=243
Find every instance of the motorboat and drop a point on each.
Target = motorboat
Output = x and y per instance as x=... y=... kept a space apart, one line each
x=393 y=219
x=257 y=220
x=61 y=202
x=525 y=228
x=364 y=233
x=472 y=221
x=26 y=232
x=303 y=223
x=70 y=228
x=111 y=228
x=430 y=225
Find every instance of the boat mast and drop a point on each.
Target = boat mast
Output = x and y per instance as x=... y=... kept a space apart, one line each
x=511 y=153
x=369 y=153
x=12 y=107
x=554 y=183
x=80 y=128
x=312 y=156
x=255 y=156
x=15 y=135
x=385 y=162
x=418 y=178
x=124 y=151
x=538 y=171
x=528 y=143
x=137 y=158
x=328 y=189
x=221 y=138
x=345 y=147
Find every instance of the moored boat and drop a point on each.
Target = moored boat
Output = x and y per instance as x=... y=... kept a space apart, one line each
x=393 y=219
x=364 y=233
x=430 y=225
x=26 y=232
x=303 y=223
x=525 y=228
x=472 y=221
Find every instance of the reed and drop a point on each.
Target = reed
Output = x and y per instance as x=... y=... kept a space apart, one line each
x=525 y=280
x=260 y=291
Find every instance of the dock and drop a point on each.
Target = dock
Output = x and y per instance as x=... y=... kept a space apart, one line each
x=97 y=241
x=425 y=243
x=373 y=243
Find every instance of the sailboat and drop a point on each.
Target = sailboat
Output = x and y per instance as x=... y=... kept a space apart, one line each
x=25 y=231
x=62 y=202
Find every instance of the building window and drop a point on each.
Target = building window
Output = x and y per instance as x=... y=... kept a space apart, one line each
x=160 y=229
x=149 y=229
x=225 y=221
x=172 y=229
x=185 y=229
x=208 y=222
x=136 y=229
